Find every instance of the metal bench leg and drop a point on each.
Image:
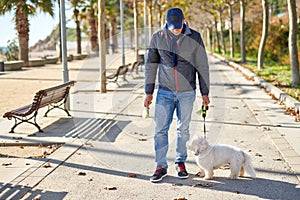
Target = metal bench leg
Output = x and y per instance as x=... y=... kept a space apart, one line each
x=59 y=107
x=26 y=120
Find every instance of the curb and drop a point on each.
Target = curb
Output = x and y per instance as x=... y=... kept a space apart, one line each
x=278 y=94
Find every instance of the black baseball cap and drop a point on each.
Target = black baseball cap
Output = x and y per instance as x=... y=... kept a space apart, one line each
x=174 y=18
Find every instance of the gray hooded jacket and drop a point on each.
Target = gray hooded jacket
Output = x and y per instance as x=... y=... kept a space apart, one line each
x=178 y=59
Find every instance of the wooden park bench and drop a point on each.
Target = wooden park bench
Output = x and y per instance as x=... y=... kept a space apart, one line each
x=135 y=66
x=122 y=70
x=54 y=97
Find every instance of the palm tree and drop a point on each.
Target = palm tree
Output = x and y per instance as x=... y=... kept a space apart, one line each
x=22 y=9
x=112 y=10
x=89 y=12
x=76 y=4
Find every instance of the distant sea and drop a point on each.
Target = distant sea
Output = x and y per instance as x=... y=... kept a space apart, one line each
x=4 y=49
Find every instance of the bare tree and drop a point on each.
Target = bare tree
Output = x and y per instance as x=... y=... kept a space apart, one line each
x=242 y=30
x=230 y=4
x=264 y=36
x=293 y=42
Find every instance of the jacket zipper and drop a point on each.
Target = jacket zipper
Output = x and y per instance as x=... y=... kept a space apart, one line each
x=176 y=79
x=175 y=67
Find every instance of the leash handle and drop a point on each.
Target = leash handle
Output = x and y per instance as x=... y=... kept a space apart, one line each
x=204 y=109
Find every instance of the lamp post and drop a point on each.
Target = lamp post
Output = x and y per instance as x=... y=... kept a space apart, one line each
x=64 y=42
x=64 y=45
x=122 y=31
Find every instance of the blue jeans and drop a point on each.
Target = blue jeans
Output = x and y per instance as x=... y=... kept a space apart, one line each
x=166 y=103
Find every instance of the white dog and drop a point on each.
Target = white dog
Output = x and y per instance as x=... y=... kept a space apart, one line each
x=210 y=157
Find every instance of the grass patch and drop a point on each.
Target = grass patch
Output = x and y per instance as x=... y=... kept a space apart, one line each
x=278 y=75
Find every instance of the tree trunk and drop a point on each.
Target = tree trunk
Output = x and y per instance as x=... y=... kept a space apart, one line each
x=208 y=38
x=217 y=35
x=264 y=36
x=293 y=42
x=102 y=54
x=22 y=26
x=93 y=32
x=150 y=20
x=113 y=24
x=221 y=33
x=78 y=31
x=231 y=31
x=242 y=31
x=136 y=33
x=106 y=35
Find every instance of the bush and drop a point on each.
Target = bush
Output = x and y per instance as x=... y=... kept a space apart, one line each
x=12 y=50
x=276 y=47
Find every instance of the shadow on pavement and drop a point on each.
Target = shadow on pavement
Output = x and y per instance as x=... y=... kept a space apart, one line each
x=85 y=128
x=9 y=191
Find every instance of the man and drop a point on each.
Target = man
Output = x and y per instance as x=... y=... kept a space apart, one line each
x=178 y=53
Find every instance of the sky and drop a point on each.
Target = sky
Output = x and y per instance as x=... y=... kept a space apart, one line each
x=41 y=25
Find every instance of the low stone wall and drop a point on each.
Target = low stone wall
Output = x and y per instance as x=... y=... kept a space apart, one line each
x=51 y=60
x=36 y=62
x=13 y=65
x=79 y=56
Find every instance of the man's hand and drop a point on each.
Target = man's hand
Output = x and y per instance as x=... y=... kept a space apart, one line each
x=205 y=100
x=148 y=100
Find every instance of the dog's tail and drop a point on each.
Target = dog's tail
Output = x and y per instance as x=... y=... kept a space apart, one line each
x=248 y=165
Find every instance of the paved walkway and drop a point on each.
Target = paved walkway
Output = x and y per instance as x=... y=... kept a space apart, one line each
x=108 y=146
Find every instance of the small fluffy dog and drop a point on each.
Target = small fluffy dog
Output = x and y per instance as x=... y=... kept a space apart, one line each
x=210 y=157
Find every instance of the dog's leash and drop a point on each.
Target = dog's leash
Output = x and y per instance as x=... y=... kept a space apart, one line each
x=204 y=109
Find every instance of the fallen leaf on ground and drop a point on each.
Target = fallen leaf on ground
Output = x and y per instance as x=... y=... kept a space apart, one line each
x=110 y=188
x=258 y=154
x=88 y=144
x=47 y=164
x=17 y=138
x=179 y=198
x=46 y=153
x=203 y=184
x=81 y=173
x=6 y=164
x=142 y=139
x=131 y=175
x=177 y=184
